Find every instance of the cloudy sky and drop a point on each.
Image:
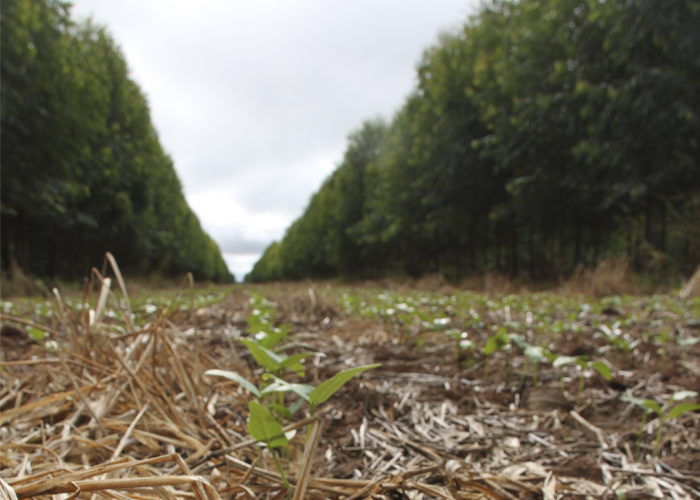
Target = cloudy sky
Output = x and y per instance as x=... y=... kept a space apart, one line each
x=254 y=99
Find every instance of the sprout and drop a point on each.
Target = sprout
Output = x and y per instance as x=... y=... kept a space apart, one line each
x=666 y=412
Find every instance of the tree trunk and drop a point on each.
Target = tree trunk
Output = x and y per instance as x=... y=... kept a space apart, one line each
x=499 y=268
x=596 y=238
x=695 y=217
x=662 y=242
x=647 y=219
x=437 y=260
x=25 y=245
x=630 y=243
x=458 y=261
x=531 y=251
x=56 y=255
x=577 y=242
x=694 y=231
x=485 y=246
x=513 y=264
x=561 y=244
x=6 y=247
x=662 y=238
x=472 y=248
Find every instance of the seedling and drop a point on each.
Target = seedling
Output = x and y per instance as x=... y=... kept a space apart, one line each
x=616 y=338
x=583 y=363
x=262 y=424
x=462 y=344
x=668 y=411
x=499 y=341
x=533 y=354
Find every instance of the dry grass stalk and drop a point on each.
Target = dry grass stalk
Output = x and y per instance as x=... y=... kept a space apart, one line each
x=609 y=277
x=692 y=287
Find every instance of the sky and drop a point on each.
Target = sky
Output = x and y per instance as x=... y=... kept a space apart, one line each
x=254 y=99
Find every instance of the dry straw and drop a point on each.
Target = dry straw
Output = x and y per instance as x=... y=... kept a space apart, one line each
x=124 y=412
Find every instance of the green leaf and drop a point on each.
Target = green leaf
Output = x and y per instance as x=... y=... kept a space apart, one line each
x=236 y=377
x=549 y=355
x=494 y=343
x=296 y=405
x=679 y=410
x=282 y=411
x=264 y=357
x=35 y=333
x=327 y=388
x=279 y=385
x=273 y=338
x=264 y=427
x=602 y=368
x=652 y=405
x=294 y=364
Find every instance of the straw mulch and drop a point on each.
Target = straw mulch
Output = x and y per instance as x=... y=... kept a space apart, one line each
x=125 y=413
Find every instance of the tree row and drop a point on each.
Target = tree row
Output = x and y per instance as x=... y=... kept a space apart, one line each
x=83 y=171
x=541 y=136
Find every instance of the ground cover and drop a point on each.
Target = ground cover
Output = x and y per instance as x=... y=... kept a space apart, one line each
x=537 y=395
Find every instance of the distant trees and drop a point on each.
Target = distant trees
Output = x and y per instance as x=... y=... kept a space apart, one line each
x=83 y=170
x=541 y=136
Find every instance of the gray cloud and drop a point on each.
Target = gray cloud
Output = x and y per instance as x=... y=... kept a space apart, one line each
x=236 y=244
x=254 y=100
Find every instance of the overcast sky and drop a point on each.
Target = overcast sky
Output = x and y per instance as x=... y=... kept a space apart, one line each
x=254 y=99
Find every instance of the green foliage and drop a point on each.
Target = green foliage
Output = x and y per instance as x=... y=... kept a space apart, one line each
x=273 y=362
x=83 y=169
x=236 y=377
x=541 y=135
x=668 y=411
x=264 y=427
x=262 y=424
x=496 y=342
x=329 y=387
x=582 y=361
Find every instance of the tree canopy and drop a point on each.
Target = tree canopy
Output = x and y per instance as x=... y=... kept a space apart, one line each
x=541 y=135
x=83 y=170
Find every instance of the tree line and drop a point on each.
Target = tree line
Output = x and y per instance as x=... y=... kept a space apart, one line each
x=83 y=170
x=541 y=136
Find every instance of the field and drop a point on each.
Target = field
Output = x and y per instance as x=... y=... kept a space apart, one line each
x=530 y=395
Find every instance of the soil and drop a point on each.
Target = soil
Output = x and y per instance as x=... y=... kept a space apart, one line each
x=427 y=406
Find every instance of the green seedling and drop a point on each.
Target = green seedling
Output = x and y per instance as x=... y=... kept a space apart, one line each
x=497 y=342
x=276 y=363
x=314 y=396
x=265 y=429
x=462 y=345
x=533 y=354
x=261 y=323
x=536 y=355
x=583 y=363
x=615 y=337
x=668 y=411
x=262 y=424
x=329 y=387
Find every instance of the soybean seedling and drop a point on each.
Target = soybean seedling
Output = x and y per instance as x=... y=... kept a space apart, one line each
x=668 y=411
x=499 y=341
x=533 y=354
x=262 y=424
x=583 y=363
x=462 y=345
